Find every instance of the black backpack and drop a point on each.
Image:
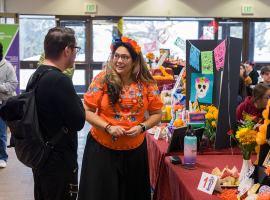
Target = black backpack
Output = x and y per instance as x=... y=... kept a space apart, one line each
x=20 y=114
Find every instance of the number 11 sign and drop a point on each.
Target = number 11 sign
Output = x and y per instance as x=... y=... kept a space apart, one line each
x=209 y=183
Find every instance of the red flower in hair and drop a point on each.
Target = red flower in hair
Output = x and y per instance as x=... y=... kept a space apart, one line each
x=129 y=41
x=133 y=44
x=111 y=47
x=230 y=132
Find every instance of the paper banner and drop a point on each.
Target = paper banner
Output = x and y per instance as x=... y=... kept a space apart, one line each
x=180 y=43
x=203 y=84
x=131 y=37
x=120 y=25
x=207 y=62
x=171 y=31
x=219 y=53
x=150 y=47
x=163 y=37
x=206 y=36
x=212 y=27
x=194 y=58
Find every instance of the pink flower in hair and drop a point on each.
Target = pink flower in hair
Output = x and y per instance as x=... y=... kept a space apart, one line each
x=197 y=80
x=129 y=41
x=206 y=80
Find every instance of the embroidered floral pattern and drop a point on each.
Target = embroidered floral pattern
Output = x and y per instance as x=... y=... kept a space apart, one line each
x=153 y=89
x=95 y=86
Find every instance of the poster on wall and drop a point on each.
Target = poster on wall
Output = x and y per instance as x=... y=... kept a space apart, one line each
x=203 y=84
x=9 y=37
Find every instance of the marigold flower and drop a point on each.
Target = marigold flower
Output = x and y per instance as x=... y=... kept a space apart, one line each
x=212 y=109
x=215 y=114
x=209 y=116
x=214 y=124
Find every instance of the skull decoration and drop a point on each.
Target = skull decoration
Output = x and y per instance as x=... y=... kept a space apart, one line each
x=202 y=85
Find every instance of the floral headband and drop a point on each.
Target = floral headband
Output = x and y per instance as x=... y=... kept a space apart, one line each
x=202 y=80
x=127 y=40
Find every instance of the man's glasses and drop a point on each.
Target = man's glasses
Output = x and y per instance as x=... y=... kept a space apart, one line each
x=77 y=48
x=124 y=57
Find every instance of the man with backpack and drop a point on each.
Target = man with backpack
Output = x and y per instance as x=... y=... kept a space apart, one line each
x=58 y=106
x=8 y=84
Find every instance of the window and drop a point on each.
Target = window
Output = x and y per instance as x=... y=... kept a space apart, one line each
x=33 y=29
x=147 y=30
x=104 y=31
x=24 y=77
x=259 y=42
x=79 y=28
x=79 y=81
x=96 y=72
x=231 y=29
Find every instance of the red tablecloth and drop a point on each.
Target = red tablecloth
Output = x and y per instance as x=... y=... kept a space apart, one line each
x=157 y=151
x=179 y=183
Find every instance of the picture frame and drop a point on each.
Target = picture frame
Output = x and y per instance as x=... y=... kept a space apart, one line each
x=267 y=160
x=167 y=51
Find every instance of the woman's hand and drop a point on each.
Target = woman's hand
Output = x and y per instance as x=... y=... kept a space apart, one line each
x=257 y=125
x=134 y=131
x=116 y=131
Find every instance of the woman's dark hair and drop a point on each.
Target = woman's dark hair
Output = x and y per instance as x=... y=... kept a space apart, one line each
x=1 y=51
x=56 y=40
x=251 y=64
x=113 y=92
x=258 y=91
x=245 y=73
x=242 y=88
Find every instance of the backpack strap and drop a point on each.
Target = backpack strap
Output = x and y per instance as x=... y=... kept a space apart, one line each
x=57 y=137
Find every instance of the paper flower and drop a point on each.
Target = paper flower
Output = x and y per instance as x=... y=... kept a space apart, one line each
x=267 y=170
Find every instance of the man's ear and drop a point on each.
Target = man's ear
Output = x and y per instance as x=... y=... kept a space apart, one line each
x=66 y=51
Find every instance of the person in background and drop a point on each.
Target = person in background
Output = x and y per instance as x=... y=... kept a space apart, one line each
x=115 y=162
x=8 y=84
x=58 y=106
x=248 y=80
x=265 y=74
x=252 y=107
x=69 y=72
x=241 y=90
x=243 y=73
x=253 y=74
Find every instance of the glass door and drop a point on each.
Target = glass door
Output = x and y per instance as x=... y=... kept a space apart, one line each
x=80 y=25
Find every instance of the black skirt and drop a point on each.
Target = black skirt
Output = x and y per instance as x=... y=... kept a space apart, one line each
x=114 y=174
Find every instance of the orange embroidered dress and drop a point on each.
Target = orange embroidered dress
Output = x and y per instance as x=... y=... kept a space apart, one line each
x=127 y=112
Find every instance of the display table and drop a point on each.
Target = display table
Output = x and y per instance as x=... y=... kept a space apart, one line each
x=157 y=151
x=179 y=183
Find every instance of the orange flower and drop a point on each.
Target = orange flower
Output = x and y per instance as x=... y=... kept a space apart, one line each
x=137 y=50
x=133 y=44
x=111 y=47
x=265 y=113
x=263 y=128
x=124 y=39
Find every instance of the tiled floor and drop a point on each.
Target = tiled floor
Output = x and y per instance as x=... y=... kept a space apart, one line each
x=16 y=181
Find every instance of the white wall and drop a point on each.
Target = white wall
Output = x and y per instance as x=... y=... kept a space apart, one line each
x=179 y=8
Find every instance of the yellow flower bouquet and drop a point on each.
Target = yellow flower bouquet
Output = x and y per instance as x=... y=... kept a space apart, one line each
x=211 y=122
x=245 y=138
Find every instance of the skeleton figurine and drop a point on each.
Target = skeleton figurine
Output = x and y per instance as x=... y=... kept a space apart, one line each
x=202 y=85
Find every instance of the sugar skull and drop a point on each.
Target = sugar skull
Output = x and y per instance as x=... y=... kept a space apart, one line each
x=202 y=85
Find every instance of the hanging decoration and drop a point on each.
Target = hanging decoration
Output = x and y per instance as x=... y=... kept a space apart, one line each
x=171 y=31
x=131 y=37
x=219 y=53
x=206 y=36
x=207 y=62
x=180 y=43
x=203 y=85
x=120 y=25
x=213 y=27
x=163 y=37
x=194 y=58
x=150 y=47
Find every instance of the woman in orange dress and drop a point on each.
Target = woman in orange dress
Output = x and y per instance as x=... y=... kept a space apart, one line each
x=115 y=162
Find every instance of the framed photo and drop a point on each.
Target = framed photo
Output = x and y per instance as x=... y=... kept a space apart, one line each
x=267 y=160
x=167 y=51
